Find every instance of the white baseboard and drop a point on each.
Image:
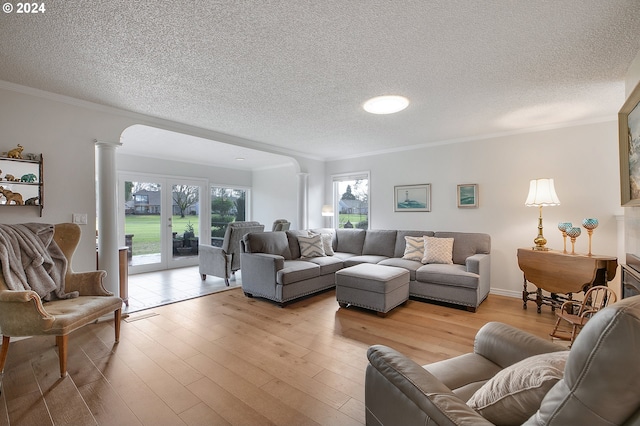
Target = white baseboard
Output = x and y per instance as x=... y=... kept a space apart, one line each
x=508 y=293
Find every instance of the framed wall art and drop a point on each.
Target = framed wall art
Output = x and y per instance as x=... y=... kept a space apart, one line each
x=629 y=137
x=468 y=195
x=412 y=198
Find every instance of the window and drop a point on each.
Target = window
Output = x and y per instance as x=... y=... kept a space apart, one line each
x=227 y=205
x=351 y=200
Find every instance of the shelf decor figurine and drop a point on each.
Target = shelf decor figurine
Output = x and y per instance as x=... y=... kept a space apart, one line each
x=563 y=226
x=573 y=233
x=590 y=225
x=11 y=196
x=16 y=152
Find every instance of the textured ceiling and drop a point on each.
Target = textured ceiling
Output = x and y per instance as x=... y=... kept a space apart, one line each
x=293 y=74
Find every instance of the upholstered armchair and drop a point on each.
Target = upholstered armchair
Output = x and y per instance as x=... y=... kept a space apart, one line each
x=24 y=313
x=223 y=262
x=281 y=225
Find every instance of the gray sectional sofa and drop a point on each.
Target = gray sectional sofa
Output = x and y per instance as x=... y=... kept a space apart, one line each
x=272 y=266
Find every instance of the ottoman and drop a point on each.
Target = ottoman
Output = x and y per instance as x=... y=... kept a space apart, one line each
x=376 y=287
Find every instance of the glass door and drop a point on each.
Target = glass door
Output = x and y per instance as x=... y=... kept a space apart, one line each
x=143 y=222
x=160 y=221
x=185 y=222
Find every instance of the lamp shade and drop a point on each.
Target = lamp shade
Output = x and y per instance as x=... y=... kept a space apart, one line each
x=327 y=210
x=542 y=193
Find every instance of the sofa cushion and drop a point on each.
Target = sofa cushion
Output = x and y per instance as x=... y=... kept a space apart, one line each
x=515 y=393
x=356 y=260
x=414 y=248
x=297 y=270
x=379 y=242
x=350 y=240
x=267 y=242
x=310 y=246
x=401 y=243
x=464 y=374
x=328 y=264
x=454 y=275
x=467 y=244
x=343 y=256
x=409 y=265
x=438 y=250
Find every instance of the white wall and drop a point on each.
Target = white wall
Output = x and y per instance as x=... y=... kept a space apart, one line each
x=583 y=161
x=64 y=134
x=275 y=195
x=215 y=175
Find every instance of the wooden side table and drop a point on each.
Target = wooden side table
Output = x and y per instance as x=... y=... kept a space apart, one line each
x=562 y=274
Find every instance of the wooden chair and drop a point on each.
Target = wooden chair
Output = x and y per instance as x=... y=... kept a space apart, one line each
x=577 y=313
x=23 y=313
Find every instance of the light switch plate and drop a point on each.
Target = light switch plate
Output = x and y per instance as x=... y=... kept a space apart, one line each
x=80 y=218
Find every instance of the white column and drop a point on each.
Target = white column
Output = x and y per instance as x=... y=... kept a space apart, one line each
x=303 y=200
x=107 y=190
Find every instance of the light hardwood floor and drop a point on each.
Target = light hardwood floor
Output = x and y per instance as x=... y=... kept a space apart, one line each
x=228 y=359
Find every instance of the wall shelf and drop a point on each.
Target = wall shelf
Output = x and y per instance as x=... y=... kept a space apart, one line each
x=31 y=193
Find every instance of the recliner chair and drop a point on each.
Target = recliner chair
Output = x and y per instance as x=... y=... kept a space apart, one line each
x=599 y=385
x=224 y=261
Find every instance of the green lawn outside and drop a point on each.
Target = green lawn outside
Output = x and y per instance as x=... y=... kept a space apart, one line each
x=353 y=218
x=146 y=231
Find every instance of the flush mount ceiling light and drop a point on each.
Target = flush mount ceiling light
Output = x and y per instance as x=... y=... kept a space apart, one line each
x=386 y=104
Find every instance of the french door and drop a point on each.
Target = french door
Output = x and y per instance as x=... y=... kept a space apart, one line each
x=161 y=220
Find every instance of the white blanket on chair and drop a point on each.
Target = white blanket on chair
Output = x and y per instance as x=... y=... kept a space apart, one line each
x=31 y=260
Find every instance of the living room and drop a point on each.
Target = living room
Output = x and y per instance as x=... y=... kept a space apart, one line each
x=580 y=154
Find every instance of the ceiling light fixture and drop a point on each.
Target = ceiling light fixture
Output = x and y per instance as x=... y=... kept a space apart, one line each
x=239 y=158
x=386 y=104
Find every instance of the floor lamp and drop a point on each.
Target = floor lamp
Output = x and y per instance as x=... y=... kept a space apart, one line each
x=327 y=211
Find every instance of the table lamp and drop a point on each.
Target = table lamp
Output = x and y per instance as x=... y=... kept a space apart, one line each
x=541 y=193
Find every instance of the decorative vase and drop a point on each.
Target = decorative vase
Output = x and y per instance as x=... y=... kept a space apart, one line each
x=563 y=226
x=590 y=225
x=573 y=233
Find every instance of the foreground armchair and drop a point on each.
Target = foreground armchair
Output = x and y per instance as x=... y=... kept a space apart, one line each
x=224 y=261
x=24 y=313
x=513 y=377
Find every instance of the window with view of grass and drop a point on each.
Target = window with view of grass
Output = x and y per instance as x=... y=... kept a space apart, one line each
x=227 y=205
x=351 y=200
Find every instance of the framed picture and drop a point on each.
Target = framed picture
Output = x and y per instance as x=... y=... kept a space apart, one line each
x=629 y=136
x=468 y=195
x=412 y=198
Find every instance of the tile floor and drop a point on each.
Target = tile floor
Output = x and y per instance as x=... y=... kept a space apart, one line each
x=153 y=289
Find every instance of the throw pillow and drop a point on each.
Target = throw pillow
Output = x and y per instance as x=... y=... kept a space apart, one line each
x=311 y=246
x=327 y=244
x=438 y=250
x=515 y=393
x=414 y=249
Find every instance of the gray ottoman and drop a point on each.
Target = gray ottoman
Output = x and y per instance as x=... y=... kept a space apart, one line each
x=376 y=287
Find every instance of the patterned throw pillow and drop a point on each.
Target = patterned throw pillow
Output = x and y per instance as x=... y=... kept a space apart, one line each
x=311 y=246
x=515 y=393
x=414 y=250
x=438 y=250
